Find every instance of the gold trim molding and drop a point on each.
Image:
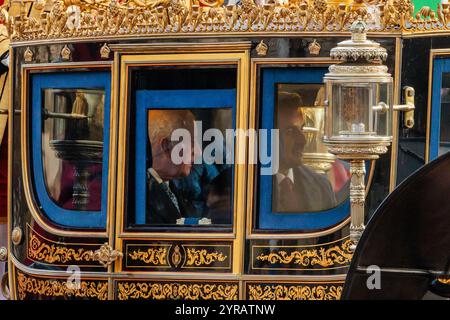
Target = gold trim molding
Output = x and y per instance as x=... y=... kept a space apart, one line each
x=59 y=288
x=305 y=291
x=176 y=291
x=50 y=19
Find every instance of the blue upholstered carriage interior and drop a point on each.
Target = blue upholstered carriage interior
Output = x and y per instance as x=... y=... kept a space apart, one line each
x=307 y=221
x=68 y=80
x=169 y=99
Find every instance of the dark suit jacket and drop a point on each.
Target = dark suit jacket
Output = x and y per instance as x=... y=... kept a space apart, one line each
x=160 y=208
x=313 y=189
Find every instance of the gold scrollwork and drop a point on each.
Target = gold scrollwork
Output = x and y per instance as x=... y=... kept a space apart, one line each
x=175 y=291
x=51 y=253
x=59 y=288
x=199 y=257
x=108 y=18
x=336 y=255
x=156 y=256
x=294 y=292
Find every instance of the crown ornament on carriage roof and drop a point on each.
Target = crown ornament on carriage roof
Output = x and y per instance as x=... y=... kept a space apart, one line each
x=29 y=20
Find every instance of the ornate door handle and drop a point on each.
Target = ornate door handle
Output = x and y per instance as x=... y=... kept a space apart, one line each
x=408 y=107
x=106 y=255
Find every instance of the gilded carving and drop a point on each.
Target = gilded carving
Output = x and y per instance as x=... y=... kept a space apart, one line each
x=28 y=55
x=314 y=48
x=333 y=256
x=175 y=291
x=58 y=288
x=199 y=257
x=261 y=49
x=52 y=253
x=176 y=256
x=155 y=256
x=109 y=18
x=65 y=53
x=106 y=255
x=294 y=292
x=105 y=51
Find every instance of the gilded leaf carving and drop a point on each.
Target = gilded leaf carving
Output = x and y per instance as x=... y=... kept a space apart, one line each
x=110 y=18
x=175 y=291
x=60 y=288
x=51 y=252
x=199 y=257
x=294 y=292
x=156 y=256
x=324 y=257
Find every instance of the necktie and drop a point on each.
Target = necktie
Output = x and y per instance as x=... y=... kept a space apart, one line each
x=288 y=200
x=171 y=195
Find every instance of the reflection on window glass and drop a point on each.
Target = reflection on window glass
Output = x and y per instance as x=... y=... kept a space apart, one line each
x=72 y=147
x=309 y=178
x=444 y=141
x=182 y=187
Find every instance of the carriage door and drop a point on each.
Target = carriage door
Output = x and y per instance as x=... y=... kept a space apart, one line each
x=180 y=199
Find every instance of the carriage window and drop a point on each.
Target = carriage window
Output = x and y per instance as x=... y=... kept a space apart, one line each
x=181 y=148
x=70 y=146
x=308 y=189
x=182 y=187
x=309 y=178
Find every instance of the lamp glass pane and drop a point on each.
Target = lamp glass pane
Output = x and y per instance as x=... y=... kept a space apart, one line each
x=351 y=117
x=361 y=110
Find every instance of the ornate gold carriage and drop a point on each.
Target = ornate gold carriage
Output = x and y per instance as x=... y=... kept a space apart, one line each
x=82 y=77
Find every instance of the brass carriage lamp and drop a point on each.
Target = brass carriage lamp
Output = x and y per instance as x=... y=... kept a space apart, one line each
x=359 y=112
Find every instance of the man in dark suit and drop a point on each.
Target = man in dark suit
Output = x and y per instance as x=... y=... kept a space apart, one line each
x=166 y=204
x=296 y=188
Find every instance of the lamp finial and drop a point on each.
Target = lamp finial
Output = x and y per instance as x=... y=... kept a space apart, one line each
x=359 y=30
